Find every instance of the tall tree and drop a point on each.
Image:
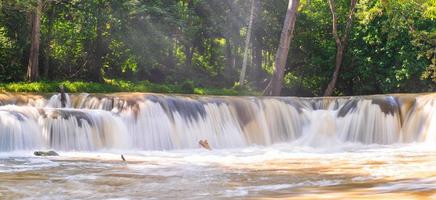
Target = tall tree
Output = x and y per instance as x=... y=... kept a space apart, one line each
x=341 y=42
x=257 y=45
x=32 y=67
x=95 y=72
x=47 y=49
x=275 y=86
x=247 y=42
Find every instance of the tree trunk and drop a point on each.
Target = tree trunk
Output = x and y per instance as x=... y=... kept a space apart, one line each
x=98 y=49
x=189 y=54
x=171 y=50
x=275 y=86
x=257 y=46
x=341 y=42
x=257 y=62
x=332 y=84
x=47 y=51
x=247 y=43
x=32 y=67
x=229 y=56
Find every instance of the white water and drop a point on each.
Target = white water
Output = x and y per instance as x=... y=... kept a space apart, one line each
x=302 y=148
x=157 y=122
x=283 y=170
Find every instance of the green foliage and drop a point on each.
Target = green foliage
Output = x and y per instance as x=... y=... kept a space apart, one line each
x=111 y=86
x=196 y=46
x=391 y=49
x=395 y=40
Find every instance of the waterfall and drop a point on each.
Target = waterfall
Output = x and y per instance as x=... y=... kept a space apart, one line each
x=137 y=121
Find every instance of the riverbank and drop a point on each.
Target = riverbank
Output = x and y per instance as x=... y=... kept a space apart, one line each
x=112 y=86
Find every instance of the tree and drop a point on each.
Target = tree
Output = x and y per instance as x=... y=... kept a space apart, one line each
x=98 y=47
x=341 y=42
x=257 y=46
x=247 y=42
x=390 y=47
x=32 y=67
x=275 y=86
x=47 y=49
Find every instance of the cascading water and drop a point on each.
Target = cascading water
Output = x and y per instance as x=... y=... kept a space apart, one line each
x=262 y=147
x=162 y=122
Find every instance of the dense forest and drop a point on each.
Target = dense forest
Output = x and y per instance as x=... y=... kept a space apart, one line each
x=337 y=47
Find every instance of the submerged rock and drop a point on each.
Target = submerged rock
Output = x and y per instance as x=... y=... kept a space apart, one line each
x=45 y=153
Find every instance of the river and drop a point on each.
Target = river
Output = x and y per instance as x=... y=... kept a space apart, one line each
x=380 y=146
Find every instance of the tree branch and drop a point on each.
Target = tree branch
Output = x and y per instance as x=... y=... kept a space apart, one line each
x=334 y=22
x=349 y=21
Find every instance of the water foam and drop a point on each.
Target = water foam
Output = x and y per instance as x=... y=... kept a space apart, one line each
x=159 y=122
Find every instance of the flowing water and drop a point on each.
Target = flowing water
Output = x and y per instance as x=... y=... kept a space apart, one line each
x=380 y=146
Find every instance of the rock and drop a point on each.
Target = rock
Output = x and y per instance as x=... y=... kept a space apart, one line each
x=45 y=153
x=204 y=144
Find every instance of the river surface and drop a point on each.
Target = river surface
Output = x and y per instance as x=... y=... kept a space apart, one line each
x=347 y=171
x=379 y=146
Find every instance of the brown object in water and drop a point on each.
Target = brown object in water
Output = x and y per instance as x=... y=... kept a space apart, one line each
x=204 y=144
x=63 y=96
x=122 y=157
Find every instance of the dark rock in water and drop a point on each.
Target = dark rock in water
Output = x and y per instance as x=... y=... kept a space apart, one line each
x=45 y=153
x=349 y=107
x=66 y=114
x=63 y=96
x=388 y=104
